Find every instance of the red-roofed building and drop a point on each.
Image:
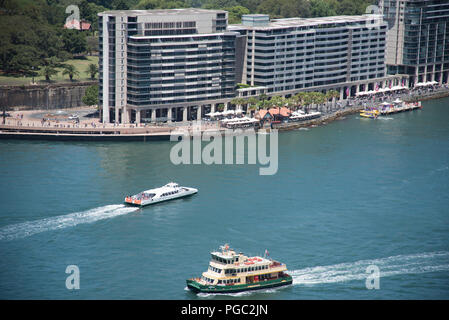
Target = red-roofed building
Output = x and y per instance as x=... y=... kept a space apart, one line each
x=282 y=112
x=263 y=115
x=277 y=114
x=76 y=24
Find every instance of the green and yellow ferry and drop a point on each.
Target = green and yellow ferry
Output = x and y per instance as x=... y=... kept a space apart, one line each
x=230 y=272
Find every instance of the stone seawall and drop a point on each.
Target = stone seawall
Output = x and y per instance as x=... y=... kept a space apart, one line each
x=46 y=96
x=427 y=96
x=314 y=122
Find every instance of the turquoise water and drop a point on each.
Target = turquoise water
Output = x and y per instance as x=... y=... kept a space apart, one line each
x=353 y=193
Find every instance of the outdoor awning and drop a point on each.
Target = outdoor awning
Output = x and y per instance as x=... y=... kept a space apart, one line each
x=365 y=93
x=425 y=84
x=239 y=120
x=398 y=88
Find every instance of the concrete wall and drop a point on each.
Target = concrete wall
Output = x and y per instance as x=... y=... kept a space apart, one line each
x=51 y=96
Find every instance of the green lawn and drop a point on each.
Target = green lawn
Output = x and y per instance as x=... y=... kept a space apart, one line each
x=80 y=65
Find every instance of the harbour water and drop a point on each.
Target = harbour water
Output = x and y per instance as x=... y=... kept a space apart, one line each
x=347 y=195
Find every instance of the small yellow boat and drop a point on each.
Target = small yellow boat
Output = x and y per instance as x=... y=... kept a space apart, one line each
x=372 y=114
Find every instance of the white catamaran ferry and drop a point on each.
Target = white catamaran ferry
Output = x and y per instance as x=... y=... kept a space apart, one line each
x=234 y=272
x=168 y=192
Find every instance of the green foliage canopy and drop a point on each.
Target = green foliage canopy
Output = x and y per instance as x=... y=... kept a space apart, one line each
x=90 y=97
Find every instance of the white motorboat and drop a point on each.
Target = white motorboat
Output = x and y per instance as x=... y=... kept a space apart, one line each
x=168 y=192
x=300 y=115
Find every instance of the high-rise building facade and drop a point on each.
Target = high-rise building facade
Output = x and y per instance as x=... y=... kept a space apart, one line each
x=346 y=53
x=178 y=64
x=417 y=39
x=164 y=64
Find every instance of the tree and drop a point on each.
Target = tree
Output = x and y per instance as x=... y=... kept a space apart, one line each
x=331 y=94
x=242 y=101
x=70 y=70
x=318 y=97
x=90 y=97
x=307 y=99
x=92 y=70
x=89 y=10
x=290 y=102
x=25 y=42
x=159 y=4
x=74 y=41
x=251 y=5
x=278 y=101
x=238 y=102
x=285 y=8
x=120 y=5
x=252 y=101
x=219 y=4
x=49 y=71
x=235 y=14
x=54 y=62
x=353 y=7
x=91 y=44
x=323 y=8
x=296 y=100
x=263 y=104
x=252 y=104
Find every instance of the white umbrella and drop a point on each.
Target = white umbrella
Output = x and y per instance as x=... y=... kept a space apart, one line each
x=213 y=114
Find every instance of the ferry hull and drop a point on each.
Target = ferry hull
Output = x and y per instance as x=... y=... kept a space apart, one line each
x=199 y=288
x=135 y=203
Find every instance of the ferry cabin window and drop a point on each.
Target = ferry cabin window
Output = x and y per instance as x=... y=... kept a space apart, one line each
x=231 y=281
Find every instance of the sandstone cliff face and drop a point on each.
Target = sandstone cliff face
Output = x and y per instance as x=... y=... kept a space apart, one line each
x=51 y=96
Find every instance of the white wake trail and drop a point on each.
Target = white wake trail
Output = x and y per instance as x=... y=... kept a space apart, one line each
x=350 y=271
x=29 y=228
x=390 y=266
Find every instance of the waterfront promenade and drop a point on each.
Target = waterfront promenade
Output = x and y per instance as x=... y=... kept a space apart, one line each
x=25 y=125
